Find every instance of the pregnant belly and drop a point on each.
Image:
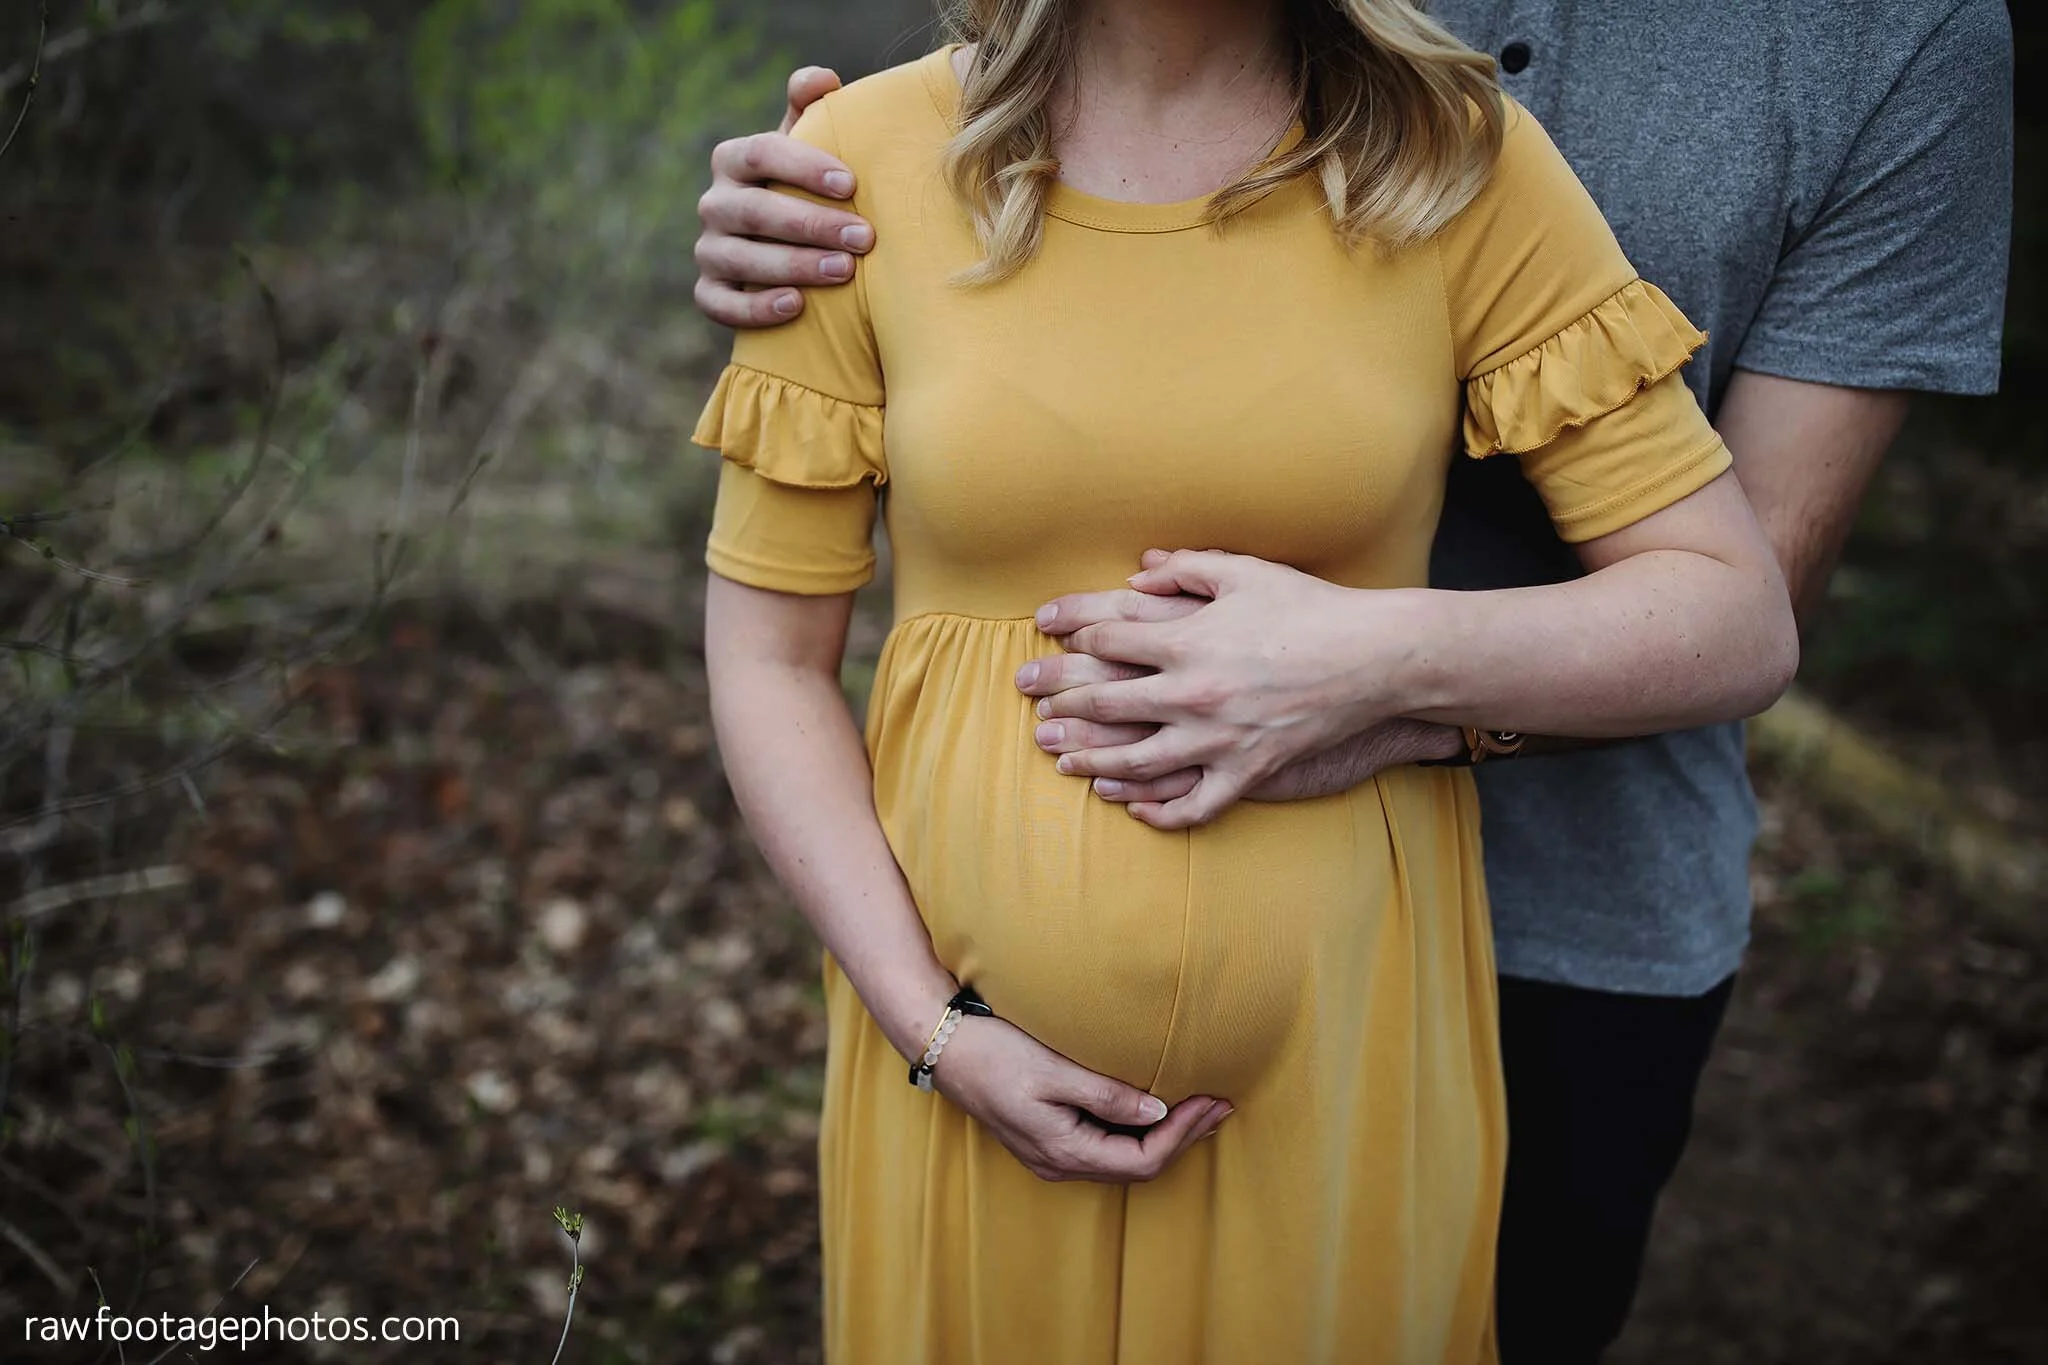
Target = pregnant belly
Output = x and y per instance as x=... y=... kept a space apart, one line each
x=1183 y=962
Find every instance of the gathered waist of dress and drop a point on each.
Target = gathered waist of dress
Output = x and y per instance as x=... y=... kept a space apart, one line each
x=1015 y=592
x=929 y=657
x=1013 y=598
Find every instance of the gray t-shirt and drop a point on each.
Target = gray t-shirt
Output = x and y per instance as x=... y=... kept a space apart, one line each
x=1826 y=189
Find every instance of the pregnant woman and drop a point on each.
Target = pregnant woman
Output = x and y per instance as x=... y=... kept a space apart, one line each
x=1280 y=258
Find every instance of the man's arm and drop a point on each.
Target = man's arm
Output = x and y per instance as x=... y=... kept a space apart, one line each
x=758 y=246
x=1804 y=454
x=1684 y=620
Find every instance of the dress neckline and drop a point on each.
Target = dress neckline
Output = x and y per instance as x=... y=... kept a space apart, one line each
x=1079 y=207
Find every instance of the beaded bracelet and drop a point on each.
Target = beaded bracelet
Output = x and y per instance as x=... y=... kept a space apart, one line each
x=964 y=1002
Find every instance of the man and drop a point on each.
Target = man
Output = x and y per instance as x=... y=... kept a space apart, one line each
x=1825 y=190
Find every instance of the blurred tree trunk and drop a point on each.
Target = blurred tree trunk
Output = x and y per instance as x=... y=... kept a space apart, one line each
x=1841 y=766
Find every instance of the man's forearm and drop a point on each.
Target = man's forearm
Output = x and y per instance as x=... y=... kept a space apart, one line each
x=1360 y=758
x=1665 y=639
x=1804 y=454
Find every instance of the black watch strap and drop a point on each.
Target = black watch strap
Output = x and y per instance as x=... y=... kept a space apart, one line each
x=968 y=1001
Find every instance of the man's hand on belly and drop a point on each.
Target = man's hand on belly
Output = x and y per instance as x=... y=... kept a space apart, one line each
x=1182 y=703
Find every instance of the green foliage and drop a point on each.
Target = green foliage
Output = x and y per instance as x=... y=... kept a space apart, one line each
x=584 y=125
x=238 y=31
x=1831 y=911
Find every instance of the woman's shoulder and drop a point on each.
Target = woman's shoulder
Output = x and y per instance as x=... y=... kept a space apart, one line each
x=1528 y=160
x=876 y=120
x=1530 y=193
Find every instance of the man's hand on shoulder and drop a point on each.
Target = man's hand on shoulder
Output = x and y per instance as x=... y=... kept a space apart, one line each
x=759 y=247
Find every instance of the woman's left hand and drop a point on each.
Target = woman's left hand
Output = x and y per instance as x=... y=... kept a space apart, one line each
x=1262 y=674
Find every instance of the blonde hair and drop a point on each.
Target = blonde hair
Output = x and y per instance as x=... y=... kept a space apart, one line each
x=1403 y=122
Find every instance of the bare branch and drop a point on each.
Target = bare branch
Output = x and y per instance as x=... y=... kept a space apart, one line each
x=266 y=420
x=141 y=1139
x=120 y=1352
x=256 y=1061
x=21 y=953
x=51 y=898
x=164 y=1354
x=45 y=551
x=27 y=1183
x=35 y=75
x=67 y=44
x=174 y=617
x=38 y=647
x=31 y=834
x=41 y=1259
x=45 y=518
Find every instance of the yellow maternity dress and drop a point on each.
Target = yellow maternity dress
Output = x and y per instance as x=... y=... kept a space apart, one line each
x=1150 y=380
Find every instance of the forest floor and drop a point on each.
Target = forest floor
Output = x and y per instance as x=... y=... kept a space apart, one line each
x=492 y=940
x=486 y=936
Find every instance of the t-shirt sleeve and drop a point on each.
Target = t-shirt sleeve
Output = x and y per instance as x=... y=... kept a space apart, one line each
x=797 y=418
x=1569 y=360
x=1898 y=280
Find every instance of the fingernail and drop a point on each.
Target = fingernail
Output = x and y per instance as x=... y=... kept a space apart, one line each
x=839 y=183
x=787 y=304
x=1046 y=616
x=1044 y=708
x=859 y=237
x=1066 y=763
x=837 y=266
x=1152 y=1109
x=1052 y=732
x=1108 y=786
x=1027 y=675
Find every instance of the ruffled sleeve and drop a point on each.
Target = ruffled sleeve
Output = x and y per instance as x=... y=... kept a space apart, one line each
x=791 y=434
x=1600 y=416
x=797 y=418
x=1630 y=340
x=796 y=501
x=1569 y=360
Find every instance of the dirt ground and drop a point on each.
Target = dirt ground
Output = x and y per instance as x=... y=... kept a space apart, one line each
x=491 y=940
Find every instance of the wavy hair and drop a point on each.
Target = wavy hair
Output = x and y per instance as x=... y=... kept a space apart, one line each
x=1403 y=122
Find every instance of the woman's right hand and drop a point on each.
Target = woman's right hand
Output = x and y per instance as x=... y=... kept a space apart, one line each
x=1038 y=1105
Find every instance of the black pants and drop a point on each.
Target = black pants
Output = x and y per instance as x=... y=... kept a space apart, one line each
x=1600 y=1092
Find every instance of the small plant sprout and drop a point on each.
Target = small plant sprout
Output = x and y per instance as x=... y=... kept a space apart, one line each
x=571 y=1225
